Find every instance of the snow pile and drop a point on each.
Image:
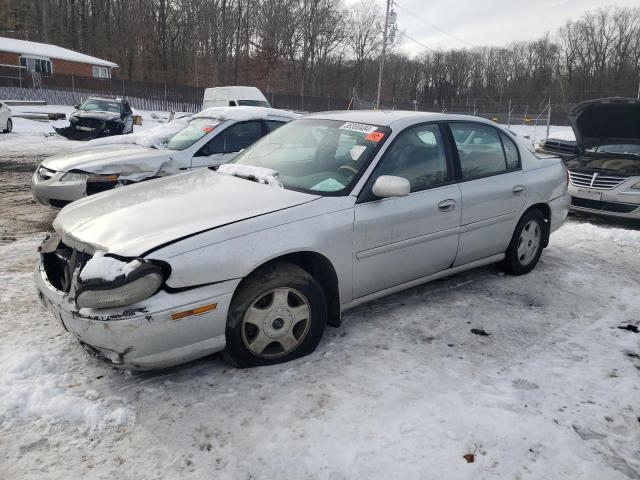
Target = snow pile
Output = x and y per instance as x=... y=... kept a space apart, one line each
x=266 y=176
x=35 y=385
x=598 y=235
x=156 y=137
x=244 y=113
x=105 y=268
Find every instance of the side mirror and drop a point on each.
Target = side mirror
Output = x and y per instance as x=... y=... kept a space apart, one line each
x=77 y=107
x=390 y=186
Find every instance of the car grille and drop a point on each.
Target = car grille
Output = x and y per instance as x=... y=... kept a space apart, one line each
x=560 y=147
x=596 y=180
x=603 y=206
x=89 y=122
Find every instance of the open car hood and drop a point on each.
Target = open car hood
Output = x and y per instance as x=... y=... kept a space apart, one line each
x=606 y=121
x=138 y=218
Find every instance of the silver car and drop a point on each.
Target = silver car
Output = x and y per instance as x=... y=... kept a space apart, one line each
x=323 y=214
x=605 y=178
x=208 y=138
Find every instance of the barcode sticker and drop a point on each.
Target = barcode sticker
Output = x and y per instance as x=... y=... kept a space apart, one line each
x=358 y=127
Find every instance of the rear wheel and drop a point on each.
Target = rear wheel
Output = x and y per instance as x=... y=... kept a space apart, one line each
x=9 y=126
x=526 y=245
x=278 y=314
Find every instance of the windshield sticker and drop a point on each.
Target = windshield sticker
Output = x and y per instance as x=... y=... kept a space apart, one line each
x=207 y=129
x=328 y=185
x=358 y=127
x=356 y=152
x=374 y=137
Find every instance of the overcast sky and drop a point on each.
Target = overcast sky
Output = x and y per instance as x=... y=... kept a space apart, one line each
x=485 y=22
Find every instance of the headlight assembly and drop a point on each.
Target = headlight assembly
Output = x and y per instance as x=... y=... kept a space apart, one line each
x=136 y=281
x=73 y=177
x=89 y=177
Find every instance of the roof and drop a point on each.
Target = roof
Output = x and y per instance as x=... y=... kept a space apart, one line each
x=23 y=47
x=244 y=113
x=389 y=117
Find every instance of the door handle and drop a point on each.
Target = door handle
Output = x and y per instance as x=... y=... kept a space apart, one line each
x=519 y=189
x=447 y=205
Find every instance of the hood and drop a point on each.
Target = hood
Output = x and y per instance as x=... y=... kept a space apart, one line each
x=135 y=219
x=606 y=121
x=97 y=114
x=107 y=159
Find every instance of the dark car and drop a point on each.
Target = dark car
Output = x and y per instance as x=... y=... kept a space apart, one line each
x=605 y=175
x=99 y=117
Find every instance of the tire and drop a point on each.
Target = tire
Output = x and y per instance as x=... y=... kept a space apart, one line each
x=277 y=314
x=526 y=245
x=9 y=128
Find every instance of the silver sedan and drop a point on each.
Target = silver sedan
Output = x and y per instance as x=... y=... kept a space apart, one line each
x=327 y=212
x=605 y=176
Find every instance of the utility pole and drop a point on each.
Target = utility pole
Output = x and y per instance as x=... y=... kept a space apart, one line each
x=548 y=117
x=384 y=51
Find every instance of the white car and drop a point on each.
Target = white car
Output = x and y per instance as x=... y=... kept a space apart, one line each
x=325 y=213
x=6 y=124
x=211 y=137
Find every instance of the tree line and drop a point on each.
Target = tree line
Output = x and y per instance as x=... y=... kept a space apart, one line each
x=324 y=48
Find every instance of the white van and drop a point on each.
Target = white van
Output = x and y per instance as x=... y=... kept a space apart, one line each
x=234 y=97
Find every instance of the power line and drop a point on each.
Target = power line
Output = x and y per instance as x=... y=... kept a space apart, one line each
x=417 y=41
x=430 y=24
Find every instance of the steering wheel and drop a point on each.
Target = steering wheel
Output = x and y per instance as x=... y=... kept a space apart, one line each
x=349 y=168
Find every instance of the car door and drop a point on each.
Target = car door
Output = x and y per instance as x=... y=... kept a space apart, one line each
x=228 y=142
x=4 y=116
x=493 y=188
x=401 y=239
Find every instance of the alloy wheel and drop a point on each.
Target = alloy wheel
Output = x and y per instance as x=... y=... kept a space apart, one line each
x=529 y=242
x=276 y=322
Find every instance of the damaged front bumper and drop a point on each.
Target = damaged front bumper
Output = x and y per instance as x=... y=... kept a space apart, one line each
x=51 y=192
x=144 y=335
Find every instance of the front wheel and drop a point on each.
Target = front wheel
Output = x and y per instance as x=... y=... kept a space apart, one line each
x=526 y=245
x=277 y=315
x=9 y=126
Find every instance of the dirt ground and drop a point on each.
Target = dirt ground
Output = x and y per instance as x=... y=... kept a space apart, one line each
x=21 y=216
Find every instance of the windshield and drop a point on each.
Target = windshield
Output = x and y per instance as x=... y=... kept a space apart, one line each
x=624 y=148
x=254 y=103
x=102 y=105
x=317 y=156
x=193 y=132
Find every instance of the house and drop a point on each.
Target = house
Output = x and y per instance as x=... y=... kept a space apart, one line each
x=50 y=59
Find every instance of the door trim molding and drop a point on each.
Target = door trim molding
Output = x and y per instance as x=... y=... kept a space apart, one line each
x=468 y=227
x=408 y=242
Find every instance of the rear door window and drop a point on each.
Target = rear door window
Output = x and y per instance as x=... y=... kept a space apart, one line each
x=479 y=149
x=273 y=124
x=511 y=152
x=236 y=137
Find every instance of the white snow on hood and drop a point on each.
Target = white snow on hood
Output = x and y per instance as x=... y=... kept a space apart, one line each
x=156 y=137
x=244 y=113
x=266 y=176
x=100 y=267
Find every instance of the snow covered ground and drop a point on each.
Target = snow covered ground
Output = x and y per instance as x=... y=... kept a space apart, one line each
x=404 y=389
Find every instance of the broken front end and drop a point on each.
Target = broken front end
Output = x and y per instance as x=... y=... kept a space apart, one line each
x=121 y=310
